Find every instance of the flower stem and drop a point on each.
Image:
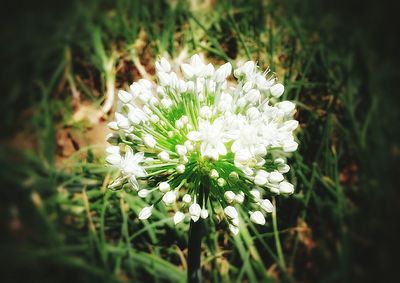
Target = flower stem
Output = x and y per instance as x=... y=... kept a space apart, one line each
x=281 y=259
x=194 y=252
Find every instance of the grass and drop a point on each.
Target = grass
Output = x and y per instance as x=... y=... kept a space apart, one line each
x=64 y=224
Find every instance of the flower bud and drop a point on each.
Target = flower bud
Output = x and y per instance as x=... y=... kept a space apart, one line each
x=233 y=176
x=169 y=198
x=166 y=103
x=229 y=196
x=234 y=229
x=277 y=90
x=164 y=78
x=145 y=212
x=122 y=121
x=178 y=217
x=112 y=138
x=279 y=161
x=113 y=126
x=114 y=159
x=223 y=72
x=189 y=145
x=286 y=187
x=164 y=156
x=275 y=177
x=235 y=221
x=214 y=174
x=163 y=66
x=187 y=71
x=113 y=149
x=181 y=150
x=190 y=86
x=195 y=211
x=261 y=178
x=164 y=187
x=253 y=113
x=239 y=198
x=257 y=217
x=253 y=95
x=286 y=106
x=180 y=168
x=255 y=193
x=221 y=182
x=187 y=198
x=149 y=141
x=205 y=112
x=181 y=86
x=209 y=70
x=154 y=118
x=231 y=212
x=204 y=213
x=290 y=146
x=283 y=168
x=124 y=96
x=247 y=86
x=143 y=193
x=266 y=205
x=179 y=124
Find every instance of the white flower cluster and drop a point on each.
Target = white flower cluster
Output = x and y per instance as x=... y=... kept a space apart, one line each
x=198 y=139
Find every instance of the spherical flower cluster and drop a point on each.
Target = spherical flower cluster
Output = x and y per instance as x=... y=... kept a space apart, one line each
x=202 y=142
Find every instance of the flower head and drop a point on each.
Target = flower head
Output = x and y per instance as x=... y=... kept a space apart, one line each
x=200 y=141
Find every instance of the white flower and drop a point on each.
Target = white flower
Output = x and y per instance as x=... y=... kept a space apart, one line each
x=178 y=217
x=257 y=217
x=145 y=212
x=130 y=166
x=212 y=137
x=193 y=128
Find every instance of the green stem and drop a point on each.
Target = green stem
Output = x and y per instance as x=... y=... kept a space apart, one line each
x=194 y=252
x=281 y=259
x=195 y=236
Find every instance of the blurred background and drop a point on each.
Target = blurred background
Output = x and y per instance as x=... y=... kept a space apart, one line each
x=62 y=59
